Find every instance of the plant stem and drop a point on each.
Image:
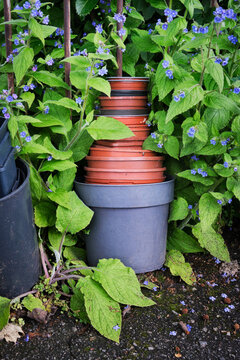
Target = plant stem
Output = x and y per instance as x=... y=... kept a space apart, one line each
x=232 y=63
x=77 y=269
x=66 y=277
x=43 y=261
x=22 y=296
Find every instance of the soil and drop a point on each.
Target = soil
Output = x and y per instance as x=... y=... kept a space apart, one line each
x=146 y=332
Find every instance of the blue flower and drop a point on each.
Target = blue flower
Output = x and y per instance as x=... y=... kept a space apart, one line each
x=19 y=104
x=145 y=282
x=34 y=13
x=236 y=90
x=190 y=207
x=224 y=142
x=219 y=202
x=49 y=158
x=120 y=18
x=191 y=132
x=204 y=174
x=194 y=158
x=16 y=42
x=28 y=139
x=9 y=98
x=160 y=145
x=195 y=29
x=212 y=298
x=185 y=31
x=182 y=94
x=164 y=26
x=227 y=309
x=224 y=295
x=122 y=32
x=99 y=28
x=226 y=165
x=116 y=327
x=154 y=288
x=213 y=142
x=159 y=22
x=233 y=39
x=193 y=172
x=169 y=74
x=50 y=62
x=34 y=68
x=176 y=98
x=218 y=19
x=46 y=110
x=173 y=333
x=27 y=5
x=79 y=100
x=229 y=201
x=189 y=327
x=225 y=61
x=32 y=86
x=182 y=302
x=153 y=135
x=25 y=88
x=7 y=116
x=23 y=134
x=218 y=60
x=103 y=71
x=235 y=169
x=149 y=31
x=4 y=110
x=165 y=64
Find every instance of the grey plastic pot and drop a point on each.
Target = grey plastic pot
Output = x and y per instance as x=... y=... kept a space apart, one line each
x=19 y=254
x=130 y=223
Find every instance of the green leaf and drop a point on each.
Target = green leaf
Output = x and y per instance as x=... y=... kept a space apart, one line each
x=175 y=26
x=4 y=311
x=22 y=62
x=109 y=129
x=15 y=22
x=159 y=4
x=178 y=267
x=130 y=58
x=120 y=282
x=222 y=171
x=65 y=102
x=45 y=214
x=163 y=128
x=143 y=41
x=82 y=62
x=178 y=209
x=40 y=31
x=78 y=307
x=79 y=79
x=103 y=312
x=35 y=184
x=55 y=238
x=81 y=147
x=181 y=241
x=196 y=43
x=215 y=100
x=56 y=154
x=13 y=126
x=46 y=120
x=193 y=96
x=191 y=5
x=118 y=40
x=101 y=85
x=164 y=84
x=49 y=79
x=84 y=7
x=150 y=144
x=216 y=71
x=27 y=119
x=218 y=118
x=212 y=241
x=59 y=165
x=209 y=210
x=30 y=302
x=74 y=253
x=33 y=148
x=171 y=145
x=61 y=197
x=65 y=179
x=28 y=97
x=211 y=150
x=76 y=219
x=236 y=124
x=195 y=178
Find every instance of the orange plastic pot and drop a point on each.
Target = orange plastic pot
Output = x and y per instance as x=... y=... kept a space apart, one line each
x=115 y=152
x=140 y=131
x=126 y=143
x=122 y=182
x=123 y=102
x=125 y=174
x=130 y=120
x=150 y=162
x=129 y=83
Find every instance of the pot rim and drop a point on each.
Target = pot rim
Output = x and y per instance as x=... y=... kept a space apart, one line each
x=122 y=158
x=126 y=78
x=158 y=170
x=122 y=116
x=169 y=180
x=123 y=98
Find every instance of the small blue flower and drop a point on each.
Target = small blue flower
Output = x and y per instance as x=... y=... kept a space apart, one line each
x=233 y=39
x=153 y=135
x=182 y=94
x=227 y=309
x=189 y=327
x=9 y=98
x=173 y=333
x=176 y=98
x=145 y=282
x=49 y=158
x=226 y=165
x=19 y=104
x=116 y=327
x=218 y=60
x=224 y=295
x=154 y=288
x=16 y=42
x=236 y=90
x=160 y=145
x=159 y=22
x=193 y=172
x=27 y=5
x=219 y=202
x=26 y=338
x=120 y=18
x=224 y=142
x=212 y=298
x=191 y=132
x=122 y=32
x=34 y=13
x=190 y=207
x=213 y=142
x=229 y=201
x=4 y=110
x=165 y=64
x=182 y=302
x=195 y=29
x=235 y=169
x=79 y=100
x=169 y=74
x=185 y=31
x=50 y=62
x=34 y=68
x=46 y=110
x=217 y=261
x=28 y=138
x=103 y=71
x=7 y=116
x=194 y=158
x=204 y=174
x=164 y=26
x=23 y=134
x=225 y=61
x=231 y=307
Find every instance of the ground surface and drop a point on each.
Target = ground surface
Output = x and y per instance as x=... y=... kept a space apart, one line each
x=146 y=333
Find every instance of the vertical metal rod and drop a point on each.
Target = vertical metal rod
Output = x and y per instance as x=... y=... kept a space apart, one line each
x=119 y=27
x=8 y=38
x=67 y=42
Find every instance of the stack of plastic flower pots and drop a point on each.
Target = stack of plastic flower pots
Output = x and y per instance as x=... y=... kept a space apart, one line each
x=124 y=161
x=8 y=170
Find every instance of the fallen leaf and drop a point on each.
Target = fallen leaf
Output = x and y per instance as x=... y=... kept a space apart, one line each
x=39 y=315
x=178 y=355
x=11 y=332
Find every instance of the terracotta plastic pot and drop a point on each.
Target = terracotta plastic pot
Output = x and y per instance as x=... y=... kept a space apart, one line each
x=122 y=182
x=129 y=83
x=123 y=102
x=125 y=174
x=128 y=93
x=140 y=131
x=128 y=112
x=131 y=120
x=135 y=143
x=115 y=152
x=150 y=162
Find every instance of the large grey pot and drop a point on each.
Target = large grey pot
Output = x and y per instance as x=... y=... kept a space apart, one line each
x=130 y=223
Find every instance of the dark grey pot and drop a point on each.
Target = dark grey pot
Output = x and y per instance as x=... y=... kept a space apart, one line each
x=130 y=223
x=19 y=254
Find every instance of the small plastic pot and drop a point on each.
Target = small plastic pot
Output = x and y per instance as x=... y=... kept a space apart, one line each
x=5 y=148
x=131 y=120
x=3 y=127
x=140 y=131
x=127 y=93
x=8 y=174
x=19 y=255
x=125 y=174
x=134 y=143
x=129 y=83
x=150 y=162
x=123 y=102
x=115 y=152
